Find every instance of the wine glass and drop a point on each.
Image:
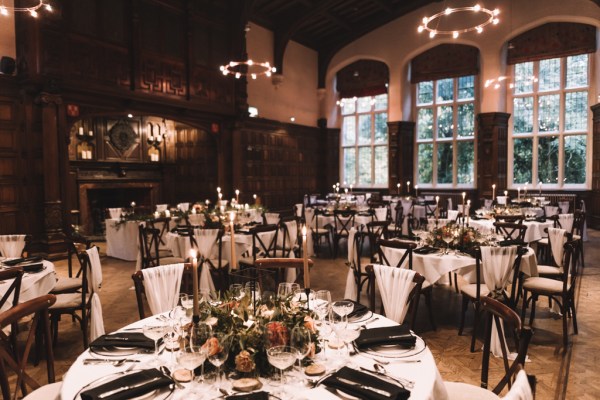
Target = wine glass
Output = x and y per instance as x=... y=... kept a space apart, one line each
x=348 y=333
x=237 y=290
x=155 y=330
x=281 y=357
x=218 y=347
x=194 y=351
x=343 y=307
x=300 y=298
x=252 y=289
x=300 y=339
x=286 y=289
x=448 y=237
x=187 y=302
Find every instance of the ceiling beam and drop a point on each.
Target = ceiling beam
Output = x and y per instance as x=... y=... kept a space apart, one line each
x=285 y=31
x=383 y=4
x=339 y=21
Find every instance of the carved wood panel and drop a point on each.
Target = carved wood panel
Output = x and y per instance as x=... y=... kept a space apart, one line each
x=158 y=75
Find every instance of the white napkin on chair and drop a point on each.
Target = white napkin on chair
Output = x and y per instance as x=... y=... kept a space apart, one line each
x=183 y=206
x=395 y=285
x=351 y=291
x=11 y=246
x=557 y=240
x=452 y=215
x=381 y=213
x=162 y=207
x=95 y=283
x=162 y=286
x=520 y=389
x=566 y=221
x=206 y=239
x=115 y=213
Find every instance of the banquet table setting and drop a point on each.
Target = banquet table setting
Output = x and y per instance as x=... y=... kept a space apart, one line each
x=38 y=279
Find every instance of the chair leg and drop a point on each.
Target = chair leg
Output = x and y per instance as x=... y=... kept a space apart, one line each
x=565 y=320
x=427 y=295
x=465 y=304
x=524 y=307
x=532 y=315
x=456 y=283
x=84 y=328
x=574 y=316
x=475 y=324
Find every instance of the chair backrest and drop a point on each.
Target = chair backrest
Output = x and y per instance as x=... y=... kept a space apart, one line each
x=400 y=290
x=264 y=245
x=565 y=221
x=514 y=232
x=514 y=218
x=11 y=246
x=287 y=239
x=578 y=223
x=309 y=217
x=162 y=285
x=381 y=213
x=272 y=271
x=162 y=224
x=148 y=242
x=271 y=218
x=500 y=315
x=37 y=307
x=114 y=213
x=402 y=256
x=497 y=265
x=376 y=230
x=551 y=210
x=343 y=220
x=186 y=286
x=14 y=289
x=570 y=271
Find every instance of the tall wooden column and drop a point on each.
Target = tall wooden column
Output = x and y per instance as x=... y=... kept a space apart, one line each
x=51 y=105
x=593 y=209
x=492 y=150
x=401 y=153
x=331 y=139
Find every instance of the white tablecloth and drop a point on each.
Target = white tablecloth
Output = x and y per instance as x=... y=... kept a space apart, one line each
x=32 y=285
x=428 y=382
x=535 y=230
x=122 y=239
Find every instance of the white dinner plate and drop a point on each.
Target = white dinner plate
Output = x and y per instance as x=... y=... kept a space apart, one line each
x=362 y=318
x=119 y=351
x=393 y=351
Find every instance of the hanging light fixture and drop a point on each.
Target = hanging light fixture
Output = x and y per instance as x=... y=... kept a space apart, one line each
x=33 y=10
x=492 y=18
x=248 y=68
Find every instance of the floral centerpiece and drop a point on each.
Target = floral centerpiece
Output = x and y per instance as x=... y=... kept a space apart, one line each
x=256 y=325
x=457 y=236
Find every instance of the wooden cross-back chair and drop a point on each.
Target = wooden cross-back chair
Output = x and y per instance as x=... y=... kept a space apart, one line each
x=263 y=244
x=285 y=245
x=406 y=261
x=38 y=308
x=376 y=230
x=149 y=239
x=343 y=221
x=140 y=294
x=320 y=232
x=272 y=271
x=217 y=266
x=14 y=289
x=578 y=232
x=517 y=218
x=511 y=231
x=395 y=229
x=162 y=224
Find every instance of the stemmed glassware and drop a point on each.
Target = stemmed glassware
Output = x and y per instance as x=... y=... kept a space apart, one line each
x=195 y=350
x=155 y=330
x=237 y=290
x=301 y=341
x=322 y=308
x=218 y=347
x=286 y=289
x=187 y=302
x=343 y=307
x=282 y=357
x=448 y=237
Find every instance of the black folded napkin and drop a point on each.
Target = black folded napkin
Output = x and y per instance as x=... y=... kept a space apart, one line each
x=541 y=219
x=16 y=261
x=426 y=250
x=123 y=339
x=399 y=335
x=33 y=267
x=249 y=396
x=157 y=378
x=396 y=392
x=510 y=242
x=358 y=311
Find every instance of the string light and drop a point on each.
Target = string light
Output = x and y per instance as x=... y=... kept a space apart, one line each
x=248 y=68
x=492 y=18
x=33 y=10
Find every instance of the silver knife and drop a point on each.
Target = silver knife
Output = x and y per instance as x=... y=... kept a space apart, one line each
x=365 y=387
x=128 y=387
x=107 y=360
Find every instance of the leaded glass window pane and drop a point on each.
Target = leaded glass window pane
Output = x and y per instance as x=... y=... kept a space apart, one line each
x=576 y=111
x=445 y=121
x=444 y=163
x=349 y=128
x=522 y=160
x=577 y=71
x=381 y=129
x=425 y=93
x=465 y=162
x=381 y=165
x=349 y=156
x=549 y=76
x=363 y=104
x=523 y=78
x=425 y=163
x=523 y=114
x=466 y=119
x=575 y=158
x=364 y=129
x=466 y=87
x=381 y=102
x=425 y=123
x=445 y=90
x=548 y=159
x=348 y=106
x=549 y=113
x=364 y=165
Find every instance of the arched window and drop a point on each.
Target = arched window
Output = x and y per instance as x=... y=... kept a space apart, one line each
x=549 y=102
x=362 y=88
x=445 y=102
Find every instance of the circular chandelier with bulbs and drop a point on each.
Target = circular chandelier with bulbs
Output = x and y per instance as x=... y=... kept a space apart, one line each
x=33 y=10
x=248 y=68
x=492 y=18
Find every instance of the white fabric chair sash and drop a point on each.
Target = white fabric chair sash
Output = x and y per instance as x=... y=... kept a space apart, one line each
x=94 y=284
x=162 y=207
x=450 y=206
x=501 y=200
x=393 y=256
x=206 y=239
x=496 y=266
x=272 y=218
x=197 y=219
x=520 y=390
x=183 y=206
x=566 y=221
x=11 y=246
x=551 y=210
x=351 y=287
x=564 y=206
x=162 y=286
x=452 y=215
x=488 y=203
x=557 y=240
x=298 y=209
x=115 y=213
x=381 y=213
x=395 y=285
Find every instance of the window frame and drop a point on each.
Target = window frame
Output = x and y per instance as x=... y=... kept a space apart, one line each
x=535 y=135
x=372 y=145
x=455 y=103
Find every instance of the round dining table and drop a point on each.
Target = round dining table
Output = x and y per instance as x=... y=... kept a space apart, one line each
x=417 y=366
x=535 y=229
x=33 y=284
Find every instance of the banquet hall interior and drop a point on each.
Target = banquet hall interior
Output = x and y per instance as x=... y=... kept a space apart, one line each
x=425 y=119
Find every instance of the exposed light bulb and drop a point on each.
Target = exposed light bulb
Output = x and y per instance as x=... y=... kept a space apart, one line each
x=268 y=73
x=495 y=21
x=448 y=11
x=487 y=83
x=477 y=7
x=425 y=20
x=253 y=76
x=496 y=11
x=238 y=75
x=48 y=7
x=454 y=34
x=420 y=28
x=479 y=29
x=432 y=34
x=3 y=11
x=33 y=13
x=273 y=69
x=224 y=72
x=250 y=62
x=496 y=86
